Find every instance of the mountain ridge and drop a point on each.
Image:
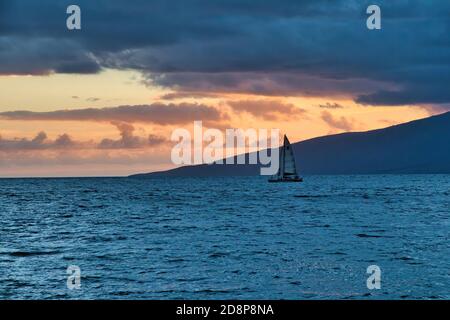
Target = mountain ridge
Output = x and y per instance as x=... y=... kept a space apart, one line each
x=419 y=146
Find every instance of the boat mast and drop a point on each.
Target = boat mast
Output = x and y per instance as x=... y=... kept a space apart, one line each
x=283 y=157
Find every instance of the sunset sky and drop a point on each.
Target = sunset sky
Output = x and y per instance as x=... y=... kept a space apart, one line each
x=104 y=100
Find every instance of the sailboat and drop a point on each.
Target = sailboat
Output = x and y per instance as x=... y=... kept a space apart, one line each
x=287 y=171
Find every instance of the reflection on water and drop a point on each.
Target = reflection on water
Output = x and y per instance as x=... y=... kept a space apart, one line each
x=219 y=238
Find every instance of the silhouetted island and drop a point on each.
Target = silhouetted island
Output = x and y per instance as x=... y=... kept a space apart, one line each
x=421 y=146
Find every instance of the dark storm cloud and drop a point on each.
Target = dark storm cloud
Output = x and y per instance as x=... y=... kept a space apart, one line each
x=420 y=85
x=263 y=83
x=40 y=56
x=292 y=39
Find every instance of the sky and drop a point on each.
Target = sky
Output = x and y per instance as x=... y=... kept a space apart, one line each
x=104 y=100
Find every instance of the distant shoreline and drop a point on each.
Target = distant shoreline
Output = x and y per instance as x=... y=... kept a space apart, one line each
x=151 y=176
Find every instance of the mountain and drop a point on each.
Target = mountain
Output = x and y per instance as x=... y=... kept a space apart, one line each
x=421 y=146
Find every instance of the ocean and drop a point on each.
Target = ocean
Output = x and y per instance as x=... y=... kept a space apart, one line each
x=225 y=238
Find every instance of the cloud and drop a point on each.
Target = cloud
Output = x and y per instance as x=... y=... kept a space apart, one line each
x=307 y=47
x=64 y=142
x=266 y=109
x=329 y=105
x=39 y=142
x=156 y=113
x=436 y=109
x=435 y=92
x=31 y=55
x=188 y=95
x=128 y=140
x=341 y=123
x=263 y=83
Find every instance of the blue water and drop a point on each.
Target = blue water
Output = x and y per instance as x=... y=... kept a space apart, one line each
x=224 y=238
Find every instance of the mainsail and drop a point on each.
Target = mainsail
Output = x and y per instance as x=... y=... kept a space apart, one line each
x=287 y=170
x=289 y=160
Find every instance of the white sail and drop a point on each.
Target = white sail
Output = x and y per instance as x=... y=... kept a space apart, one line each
x=289 y=160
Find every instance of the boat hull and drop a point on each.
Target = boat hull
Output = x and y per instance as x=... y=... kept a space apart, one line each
x=286 y=180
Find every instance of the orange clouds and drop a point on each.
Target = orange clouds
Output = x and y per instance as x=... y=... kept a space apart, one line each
x=267 y=109
x=341 y=123
x=156 y=113
x=127 y=139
